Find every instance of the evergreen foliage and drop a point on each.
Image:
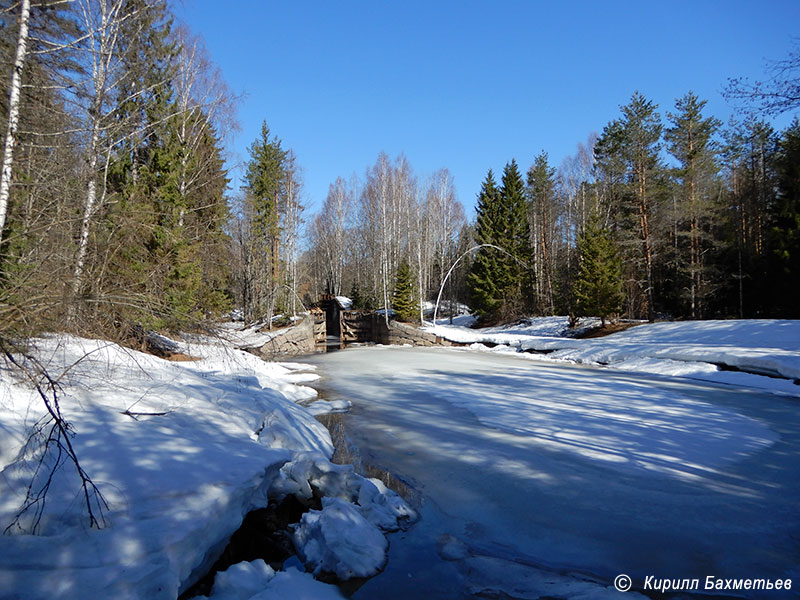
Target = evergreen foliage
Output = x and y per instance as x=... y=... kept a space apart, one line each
x=156 y=252
x=403 y=304
x=356 y=297
x=486 y=277
x=784 y=233
x=691 y=141
x=640 y=129
x=598 y=286
x=499 y=280
x=749 y=154
x=516 y=240
x=264 y=178
x=118 y=213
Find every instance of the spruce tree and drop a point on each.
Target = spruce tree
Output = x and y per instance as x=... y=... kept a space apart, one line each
x=265 y=176
x=598 y=287
x=515 y=240
x=484 y=278
x=355 y=297
x=783 y=238
x=500 y=280
x=403 y=298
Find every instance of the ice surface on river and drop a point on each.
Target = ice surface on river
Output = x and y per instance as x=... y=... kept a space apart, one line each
x=551 y=479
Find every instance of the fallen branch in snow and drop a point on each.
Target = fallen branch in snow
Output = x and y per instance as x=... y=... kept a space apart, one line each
x=135 y=415
x=58 y=442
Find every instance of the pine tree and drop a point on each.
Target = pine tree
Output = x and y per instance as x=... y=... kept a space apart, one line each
x=749 y=155
x=598 y=287
x=639 y=135
x=690 y=141
x=403 y=298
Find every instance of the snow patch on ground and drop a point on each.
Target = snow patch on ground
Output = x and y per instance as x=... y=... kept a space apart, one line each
x=257 y=581
x=339 y=540
x=236 y=335
x=693 y=349
x=181 y=452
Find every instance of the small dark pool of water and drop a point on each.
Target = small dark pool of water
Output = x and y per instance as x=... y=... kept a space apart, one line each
x=264 y=534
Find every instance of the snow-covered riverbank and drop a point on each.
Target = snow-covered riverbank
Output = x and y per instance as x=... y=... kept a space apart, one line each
x=753 y=353
x=181 y=452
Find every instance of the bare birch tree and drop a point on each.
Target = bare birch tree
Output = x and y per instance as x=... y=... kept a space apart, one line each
x=109 y=29
x=13 y=110
x=290 y=231
x=330 y=232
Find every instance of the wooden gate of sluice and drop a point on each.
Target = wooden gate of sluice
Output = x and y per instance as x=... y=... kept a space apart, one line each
x=335 y=326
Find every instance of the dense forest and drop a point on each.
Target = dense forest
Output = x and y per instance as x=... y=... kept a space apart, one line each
x=116 y=211
x=113 y=200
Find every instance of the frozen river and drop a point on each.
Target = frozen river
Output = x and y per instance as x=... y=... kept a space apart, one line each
x=544 y=479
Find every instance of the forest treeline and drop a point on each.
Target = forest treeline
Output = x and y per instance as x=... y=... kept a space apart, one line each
x=116 y=211
x=673 y=216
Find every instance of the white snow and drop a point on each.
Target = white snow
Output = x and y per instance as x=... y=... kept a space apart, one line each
x=258 y=581
x=324 y=407
x=235 y=334
x=309 y=472
x=181 y=451
x=766 y=351
x=345 y=302
x=338 y=539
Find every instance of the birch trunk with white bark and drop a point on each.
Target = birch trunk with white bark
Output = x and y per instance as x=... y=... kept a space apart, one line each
x=13 y=111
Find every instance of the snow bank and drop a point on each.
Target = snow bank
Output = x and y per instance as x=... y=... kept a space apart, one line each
x=705 y=350
x=339 y=540
x=181 y=452
x=507 y=335
x=346 y=537
x=257 y=581
x=309 y=474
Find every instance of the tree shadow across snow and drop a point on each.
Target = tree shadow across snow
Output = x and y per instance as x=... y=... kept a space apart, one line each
x=178 y=483
x=586 y=468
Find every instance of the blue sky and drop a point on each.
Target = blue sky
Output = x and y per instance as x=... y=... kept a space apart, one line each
x=468 y=85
